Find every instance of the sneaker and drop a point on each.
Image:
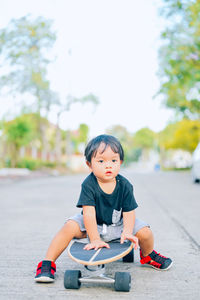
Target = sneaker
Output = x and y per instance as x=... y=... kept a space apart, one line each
x=45 y=271
x=156 y=261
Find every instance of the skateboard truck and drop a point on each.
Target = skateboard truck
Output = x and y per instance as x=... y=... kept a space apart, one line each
x=73 y=278
x=97 y=275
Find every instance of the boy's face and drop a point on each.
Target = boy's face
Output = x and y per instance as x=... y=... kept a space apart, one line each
x=106 y=165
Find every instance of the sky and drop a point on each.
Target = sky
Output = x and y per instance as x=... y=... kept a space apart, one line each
x=105 y=47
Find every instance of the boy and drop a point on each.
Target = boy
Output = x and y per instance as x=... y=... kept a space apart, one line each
x=108 y=211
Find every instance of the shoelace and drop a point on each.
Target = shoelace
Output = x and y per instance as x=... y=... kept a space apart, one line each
x=46 y=267
x=157 y=257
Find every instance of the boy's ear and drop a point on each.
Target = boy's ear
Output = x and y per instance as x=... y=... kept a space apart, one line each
x=121 y=161
x=88 y=164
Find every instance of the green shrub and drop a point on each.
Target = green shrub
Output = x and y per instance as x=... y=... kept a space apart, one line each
x=34 y=164
x=7 y=163
x=31 y=164
x=48 y=164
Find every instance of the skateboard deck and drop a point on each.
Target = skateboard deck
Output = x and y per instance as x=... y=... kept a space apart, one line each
x=101 y=256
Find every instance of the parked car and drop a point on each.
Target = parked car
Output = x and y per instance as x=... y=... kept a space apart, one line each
x=196 y=164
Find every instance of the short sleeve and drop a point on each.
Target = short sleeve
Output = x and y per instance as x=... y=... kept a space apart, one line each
x=129 y=202
x=86 y=196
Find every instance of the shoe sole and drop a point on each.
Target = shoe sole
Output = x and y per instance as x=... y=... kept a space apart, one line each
x=150 y=266
x=44 y=279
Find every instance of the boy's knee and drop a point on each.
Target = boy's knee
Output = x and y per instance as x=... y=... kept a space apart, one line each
x=144 y=233
x=73 y=227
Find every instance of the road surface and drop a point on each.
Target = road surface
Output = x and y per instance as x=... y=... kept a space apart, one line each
x=32 y=211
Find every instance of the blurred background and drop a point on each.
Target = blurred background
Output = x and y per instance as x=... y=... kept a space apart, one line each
x=70 y=70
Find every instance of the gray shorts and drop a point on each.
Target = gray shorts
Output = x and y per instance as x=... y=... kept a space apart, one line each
x=109 y=232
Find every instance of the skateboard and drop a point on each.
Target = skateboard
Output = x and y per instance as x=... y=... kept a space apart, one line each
x=94 y=262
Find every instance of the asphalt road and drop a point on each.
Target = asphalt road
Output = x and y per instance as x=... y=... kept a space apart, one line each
x=32 y=211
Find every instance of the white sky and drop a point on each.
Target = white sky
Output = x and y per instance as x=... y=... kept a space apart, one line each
x=114 y=46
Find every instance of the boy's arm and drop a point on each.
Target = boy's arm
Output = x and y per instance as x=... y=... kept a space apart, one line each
x=128 y=225
x=89 y=218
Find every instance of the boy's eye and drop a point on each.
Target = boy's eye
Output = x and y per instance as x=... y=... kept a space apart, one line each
x=101 y=161
x=114 y=160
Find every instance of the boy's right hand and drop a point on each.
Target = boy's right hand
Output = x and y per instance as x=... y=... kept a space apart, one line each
x=96 y=245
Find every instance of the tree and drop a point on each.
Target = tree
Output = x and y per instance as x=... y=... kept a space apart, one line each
x=83 y=133
x=24 y=45
x=24 y=50
x=79 y=137
x=144 y=138
x=180 y=57
x=65 y=107
x=18 y=133
x=181 y=135
x=126 y=139
x=119 y=132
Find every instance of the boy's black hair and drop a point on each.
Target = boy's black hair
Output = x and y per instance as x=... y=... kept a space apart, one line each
x=108 y=140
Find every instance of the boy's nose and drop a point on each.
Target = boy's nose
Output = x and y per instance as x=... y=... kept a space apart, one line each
x=108 y=165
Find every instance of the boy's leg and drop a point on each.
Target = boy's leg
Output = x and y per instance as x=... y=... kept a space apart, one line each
x=62 y=239
x=47 y=267
x=147 y=254
x=146 y=240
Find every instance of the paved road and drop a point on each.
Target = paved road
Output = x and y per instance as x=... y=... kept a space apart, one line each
x=33 y=210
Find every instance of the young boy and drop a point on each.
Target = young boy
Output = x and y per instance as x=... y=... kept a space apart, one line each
x=108 y=211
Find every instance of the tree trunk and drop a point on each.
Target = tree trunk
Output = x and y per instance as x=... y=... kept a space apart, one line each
x=58 y=146
x=14 y=152
x=44 y=142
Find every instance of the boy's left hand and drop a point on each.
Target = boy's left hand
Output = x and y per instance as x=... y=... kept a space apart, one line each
x=130 y=237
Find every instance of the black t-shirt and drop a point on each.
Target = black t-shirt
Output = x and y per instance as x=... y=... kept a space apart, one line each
x=109 y=207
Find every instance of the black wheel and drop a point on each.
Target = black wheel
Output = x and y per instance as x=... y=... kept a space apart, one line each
x=129 y=257
x=196 y=180
x=71 y=279
x=122 y=281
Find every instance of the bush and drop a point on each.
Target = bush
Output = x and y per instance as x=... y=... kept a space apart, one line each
x=132 y=156
x=34 y=164
x=48 y=164
x=28 y=163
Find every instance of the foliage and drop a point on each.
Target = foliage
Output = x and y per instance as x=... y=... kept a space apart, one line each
x=120 y=132
x=19 y=131
x=181 y=135
x=34 y=164
x=133 y=144
x=83 y=133
x=79 y=137
x=144 y=138
x=23 y=132
x=132 y=154
x=23 y=48
x=180 y=57
x=126 y=140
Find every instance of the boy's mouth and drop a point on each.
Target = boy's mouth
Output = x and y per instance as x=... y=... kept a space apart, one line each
x=108 y=172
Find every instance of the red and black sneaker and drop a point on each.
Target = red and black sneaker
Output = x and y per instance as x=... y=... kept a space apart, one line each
x=156 y=261
x=45 y=271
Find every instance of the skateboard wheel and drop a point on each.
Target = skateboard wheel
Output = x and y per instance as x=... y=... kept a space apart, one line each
x=122 y=281
x=71 y=279
x=129 y=257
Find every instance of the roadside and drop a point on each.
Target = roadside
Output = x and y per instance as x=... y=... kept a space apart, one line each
x=9 y=175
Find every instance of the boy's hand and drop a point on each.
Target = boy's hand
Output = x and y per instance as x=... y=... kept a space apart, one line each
x=130 y=237
x=96 y=245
